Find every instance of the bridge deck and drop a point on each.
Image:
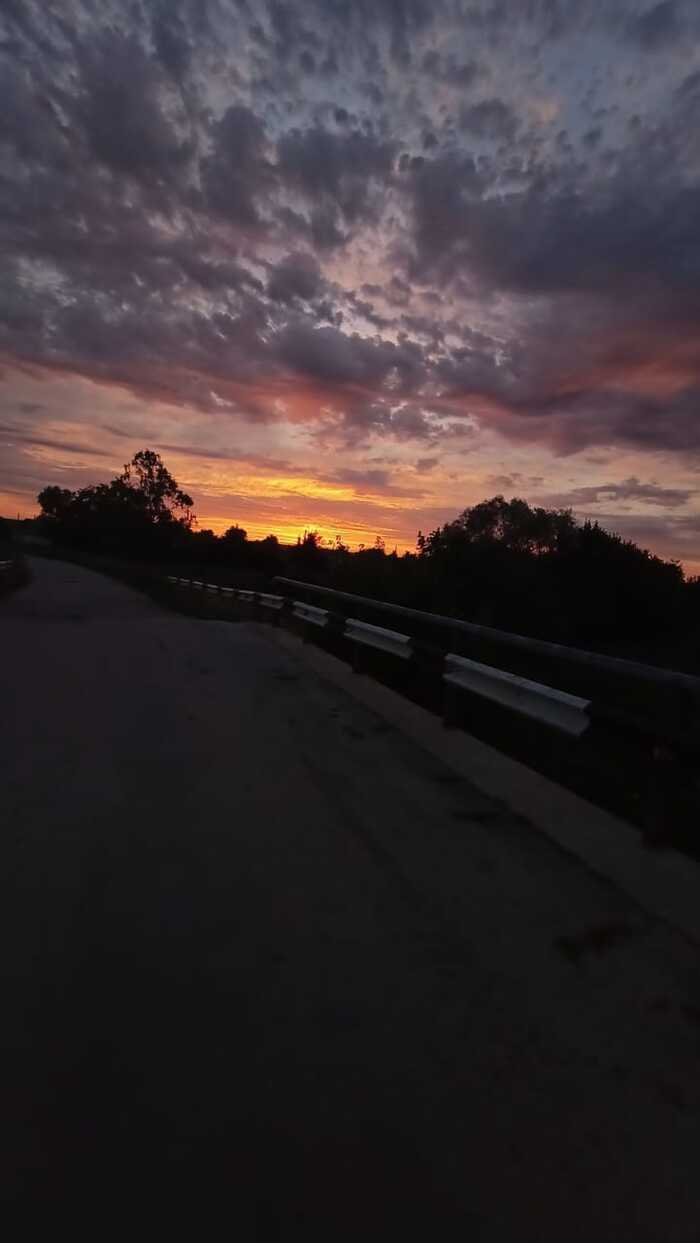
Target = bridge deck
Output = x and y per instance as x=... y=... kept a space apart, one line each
x=267 y=957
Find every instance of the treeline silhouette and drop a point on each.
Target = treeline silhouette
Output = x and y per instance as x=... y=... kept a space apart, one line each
x=6 y=539
x=502 y=562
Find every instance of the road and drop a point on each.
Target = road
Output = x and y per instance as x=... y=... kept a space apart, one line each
x=267 y=964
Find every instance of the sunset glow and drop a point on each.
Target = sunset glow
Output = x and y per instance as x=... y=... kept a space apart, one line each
x=351 y=270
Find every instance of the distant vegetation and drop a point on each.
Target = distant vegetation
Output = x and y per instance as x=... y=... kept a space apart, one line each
x=6 y=539
x=142 y=512
x=503 y=563
x=16 y=573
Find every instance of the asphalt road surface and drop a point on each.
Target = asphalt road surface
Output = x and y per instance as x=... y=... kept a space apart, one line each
x=271 y=971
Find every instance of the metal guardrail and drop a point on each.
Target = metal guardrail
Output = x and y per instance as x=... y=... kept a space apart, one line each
x=562 y=711
x=540 y=647
x=391 y=641
x=9 y=572
x=611 y=678
x=650 y=727
x=309 y=613
x=264 y=598
x=558 y=709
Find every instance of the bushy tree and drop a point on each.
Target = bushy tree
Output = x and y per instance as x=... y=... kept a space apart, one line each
x=234 y=539
x=148 y=479
x=538 y=570
x=501 y=562
x=55 y=502
x=141 y=512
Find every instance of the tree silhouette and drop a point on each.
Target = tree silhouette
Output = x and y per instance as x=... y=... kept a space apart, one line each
x=539 y=571
x=234 y=538
x=55 y=502
x=501 y=562
x=147 y=476
x=142 y=511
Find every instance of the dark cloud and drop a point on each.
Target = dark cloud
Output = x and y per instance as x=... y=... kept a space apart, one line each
x=549 y=237
x=446 y=67
x=490 y=118
x=628 y=490
x=344 y=169
x=503 y=482
x=359 y=423
x=237 y=174
x=122 y=110
x=368 y=478
x=20 y=436
x=296 y=276
x=330 y=356
x=171 y=39
x=29 y=125
x=610 y=417
x=190 y=196
x=324 y=227
x=657 y=26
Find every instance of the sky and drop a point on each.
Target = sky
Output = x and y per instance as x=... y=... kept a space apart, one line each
x=353 y=265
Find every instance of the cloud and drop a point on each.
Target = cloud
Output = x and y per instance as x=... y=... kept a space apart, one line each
x=367 y=480
x=626 y=491
x=345 y=170
x=503 y=482
x=297 y=276
x=490 y=118
x=577 y=420
x=19 y=436
x=171 y=39
x=333 y=357
x=121 y=108
x=362 y=222
x=656 y=26
x=549 y=237
x=668 y=536
x=237 y=174
x=448 y=68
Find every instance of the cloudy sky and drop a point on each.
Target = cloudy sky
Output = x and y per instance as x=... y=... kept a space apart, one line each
x=356 y=264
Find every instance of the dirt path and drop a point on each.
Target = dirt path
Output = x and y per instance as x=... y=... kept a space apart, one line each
x=266 y=960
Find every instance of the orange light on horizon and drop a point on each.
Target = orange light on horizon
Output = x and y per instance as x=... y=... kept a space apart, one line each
x=260 y=485
x=17 y=507
x=287 y=532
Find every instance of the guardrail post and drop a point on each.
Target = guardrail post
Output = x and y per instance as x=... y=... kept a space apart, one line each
x=336 y=625
x=450 y=698
x=358 y=663
x=655 y=810
x=428 y=664
x=286 y=613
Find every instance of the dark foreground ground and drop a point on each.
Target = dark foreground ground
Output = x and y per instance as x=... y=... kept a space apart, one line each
x=271 y=972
